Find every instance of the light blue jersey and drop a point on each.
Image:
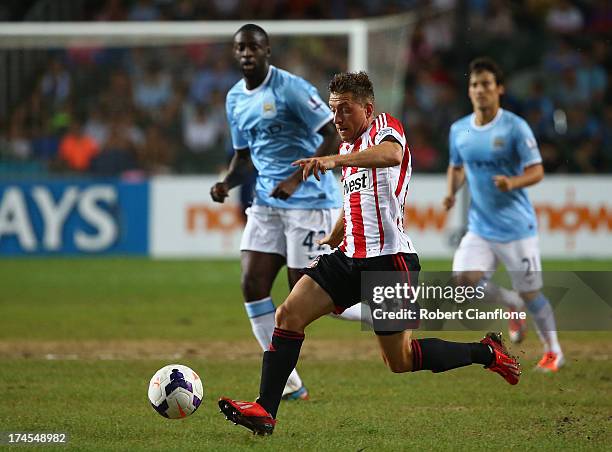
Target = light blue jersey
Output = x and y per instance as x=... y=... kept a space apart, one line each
x=505 y=146
x=278 y=121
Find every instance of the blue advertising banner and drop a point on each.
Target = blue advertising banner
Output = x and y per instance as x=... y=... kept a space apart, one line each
x=74 y=218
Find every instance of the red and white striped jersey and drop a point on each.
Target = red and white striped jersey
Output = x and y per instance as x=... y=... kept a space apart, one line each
x=374 y=197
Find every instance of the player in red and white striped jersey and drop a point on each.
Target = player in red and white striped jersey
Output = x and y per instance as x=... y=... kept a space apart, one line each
x=376 y=170
x=374 y=197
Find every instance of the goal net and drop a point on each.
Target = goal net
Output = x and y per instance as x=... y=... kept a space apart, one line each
x=162 y=72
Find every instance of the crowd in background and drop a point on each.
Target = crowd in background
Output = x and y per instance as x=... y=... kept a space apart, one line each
x=160 y=109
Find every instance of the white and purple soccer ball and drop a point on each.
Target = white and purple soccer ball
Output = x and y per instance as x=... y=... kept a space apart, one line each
x=175 y=391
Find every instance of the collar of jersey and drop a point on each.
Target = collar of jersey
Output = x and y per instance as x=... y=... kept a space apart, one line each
x=489 y=124
x=262 y=85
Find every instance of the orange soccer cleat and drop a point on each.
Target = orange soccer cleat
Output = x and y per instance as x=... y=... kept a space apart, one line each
x=551 y=362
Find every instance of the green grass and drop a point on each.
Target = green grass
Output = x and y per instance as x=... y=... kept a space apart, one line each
x=356 y=403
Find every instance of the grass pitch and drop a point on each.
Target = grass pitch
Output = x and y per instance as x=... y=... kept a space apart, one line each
x=80 y=338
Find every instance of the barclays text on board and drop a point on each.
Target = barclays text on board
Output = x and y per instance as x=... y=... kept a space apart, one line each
x=73 y=218
x=174 y=217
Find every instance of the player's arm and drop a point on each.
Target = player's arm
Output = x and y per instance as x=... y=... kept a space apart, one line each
x=388 y=153
x=329 y=146
x=240 y=168
x=335 y=237
x=531 y=176
x=526 y=147
x=455 y=178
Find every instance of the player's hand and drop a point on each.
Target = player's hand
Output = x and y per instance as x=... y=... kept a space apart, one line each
x=219 y=191
x=333 y=240
x=448 y=202
x=315 y=165
x=503 y=183
x=286 y=188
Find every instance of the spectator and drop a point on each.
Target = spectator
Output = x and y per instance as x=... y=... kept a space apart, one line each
x=143 y=10
x=153 y=90
x=564 y=18
x=569 y=92
x=426 y=90
x=121 y=150
x=97 y=126
x=560 y=57
x=498 y=20
x=184 y=10
x=202 y=131
x=425 y=157
x=411 y=113
x=56 y=83
x=77 y=149
x=552 y=158
x=112 y=11
x=204 y=135
x=542 y=126
x=217 y=76
x=18 y=144
x=45 y=142
x=592 y=78
x=117 y=97
x=158 y=153
x=581 y=126
x=419 y=48
x=448 y=109
x=539 y=100
x=588 y=158
x=227 y=9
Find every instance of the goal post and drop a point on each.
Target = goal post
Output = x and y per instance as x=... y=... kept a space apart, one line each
x=378 y=46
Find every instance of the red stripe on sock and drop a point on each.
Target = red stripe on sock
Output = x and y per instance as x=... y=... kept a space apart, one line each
x=287 y=334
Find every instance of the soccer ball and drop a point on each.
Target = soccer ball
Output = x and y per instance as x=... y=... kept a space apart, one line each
x=175 y=391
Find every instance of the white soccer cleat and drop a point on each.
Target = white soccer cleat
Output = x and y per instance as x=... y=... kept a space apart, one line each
x=517 y=329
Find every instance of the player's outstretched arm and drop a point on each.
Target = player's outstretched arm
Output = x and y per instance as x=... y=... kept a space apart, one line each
x=531 y=176
x=455 y=178
x=335 y=237
x=383 y=155
x=240 y=167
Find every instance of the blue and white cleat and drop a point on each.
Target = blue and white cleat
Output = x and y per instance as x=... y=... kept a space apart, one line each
x=300 y=394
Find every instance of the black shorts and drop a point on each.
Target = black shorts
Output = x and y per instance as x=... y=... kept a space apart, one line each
x=341 y=276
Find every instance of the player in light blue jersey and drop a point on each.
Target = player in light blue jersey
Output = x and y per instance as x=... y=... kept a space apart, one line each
x=496 y=152
x=276 y=118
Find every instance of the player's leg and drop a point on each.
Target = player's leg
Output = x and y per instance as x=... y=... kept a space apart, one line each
x=258 y=273
x=303 y=229
x=327 y=278
x=522 y=260
x=263 y=254
x=473 y=265
x=306 y=303
x=403 y=354
x=359 y=312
